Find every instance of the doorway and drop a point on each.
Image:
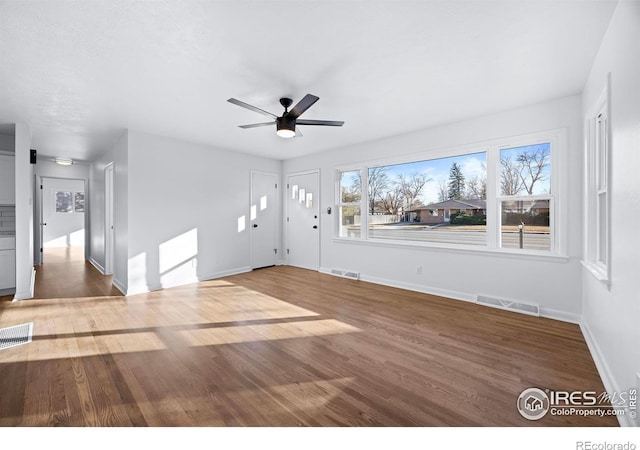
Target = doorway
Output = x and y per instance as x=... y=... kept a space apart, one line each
x=62 y=217
x=303 y=220
x=264 y=219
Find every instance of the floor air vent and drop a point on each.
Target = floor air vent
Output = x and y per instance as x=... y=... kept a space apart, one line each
x=509 y=305
x=14 y=336
x=345 y=274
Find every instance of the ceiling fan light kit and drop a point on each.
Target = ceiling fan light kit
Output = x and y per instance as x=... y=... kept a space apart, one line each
x=286 y=124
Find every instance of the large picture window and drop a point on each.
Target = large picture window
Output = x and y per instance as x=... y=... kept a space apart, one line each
x=438 y=200
x=493 y=196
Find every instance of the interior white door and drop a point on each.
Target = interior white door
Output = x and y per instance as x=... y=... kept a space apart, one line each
x=109 y=229
x=63 y=205
x=37 y=250
x=264 y=219
x=303 y=220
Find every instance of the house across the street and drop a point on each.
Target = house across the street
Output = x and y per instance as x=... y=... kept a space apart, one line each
x=441 y=212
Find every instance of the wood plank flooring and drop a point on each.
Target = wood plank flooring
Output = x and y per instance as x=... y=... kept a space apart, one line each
x=279 y=346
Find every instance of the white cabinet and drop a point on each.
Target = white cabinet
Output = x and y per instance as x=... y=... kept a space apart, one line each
x=7 y=262
x=7 y=180
x=7 y=269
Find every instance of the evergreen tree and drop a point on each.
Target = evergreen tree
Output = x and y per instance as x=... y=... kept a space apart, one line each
x=456 y=182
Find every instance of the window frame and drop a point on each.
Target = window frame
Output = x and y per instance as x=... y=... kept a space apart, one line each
x=598 y=153
x=339 y=204
x=557 y=138
x=523 y=141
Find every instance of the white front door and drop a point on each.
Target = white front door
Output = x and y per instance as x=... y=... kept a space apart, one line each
x=303 y=220
x=264 y=219
x=63 y=206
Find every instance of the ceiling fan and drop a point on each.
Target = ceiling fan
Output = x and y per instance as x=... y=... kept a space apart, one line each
x=286 y=124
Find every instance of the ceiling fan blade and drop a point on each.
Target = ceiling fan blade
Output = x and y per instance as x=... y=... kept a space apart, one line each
x=255 y=125
x=251 y=107
x=327 y=123
x=303 y=105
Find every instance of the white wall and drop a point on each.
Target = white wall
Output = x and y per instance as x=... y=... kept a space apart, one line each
x=553 y=284
x=184 y=204
x=611 y=319
x=119 y=155
x=24 y=213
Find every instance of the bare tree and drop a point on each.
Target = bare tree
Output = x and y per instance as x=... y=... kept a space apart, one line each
x=411 y=188
x=351 y=193
x=510 y=179
x=391 y=202
x=477 y=187
x=533 y=161
x=378 y=183
x=523 y=173
x=443 y=191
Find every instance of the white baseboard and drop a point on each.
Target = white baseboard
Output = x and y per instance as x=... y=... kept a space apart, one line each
x=224 y=273
x=562 y=316
x=119 y=285
x=604 y=371
x=411 y=287
x=457 y=295
x=96 y=264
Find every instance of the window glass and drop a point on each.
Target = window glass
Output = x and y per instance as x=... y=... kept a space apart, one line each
x=438 y=200
x=350 y=187
x=525 y=170
x=525 y=224
x=349 y=209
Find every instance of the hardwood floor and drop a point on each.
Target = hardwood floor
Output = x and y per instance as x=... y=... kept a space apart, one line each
x=66 y=274
x=280 y=346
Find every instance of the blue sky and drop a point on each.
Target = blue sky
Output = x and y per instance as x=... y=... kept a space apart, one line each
x=472 y=165
x=438 y=170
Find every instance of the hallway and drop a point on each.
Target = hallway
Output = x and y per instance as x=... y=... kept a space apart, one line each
x=66 y=274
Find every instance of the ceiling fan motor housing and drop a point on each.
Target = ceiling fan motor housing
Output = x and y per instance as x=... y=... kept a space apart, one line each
x=286 y=123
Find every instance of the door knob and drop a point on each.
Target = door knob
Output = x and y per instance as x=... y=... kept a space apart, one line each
x=255 y=225
x=315 y=227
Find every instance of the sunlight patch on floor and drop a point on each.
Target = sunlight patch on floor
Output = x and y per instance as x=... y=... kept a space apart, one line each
x=266 y=332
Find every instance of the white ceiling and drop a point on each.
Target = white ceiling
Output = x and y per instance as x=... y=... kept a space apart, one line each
x=79 y=72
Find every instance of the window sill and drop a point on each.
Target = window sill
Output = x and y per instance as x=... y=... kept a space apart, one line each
x=598 y=272
x=503 y=253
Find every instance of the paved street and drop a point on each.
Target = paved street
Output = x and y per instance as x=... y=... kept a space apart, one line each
x=531 y=241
